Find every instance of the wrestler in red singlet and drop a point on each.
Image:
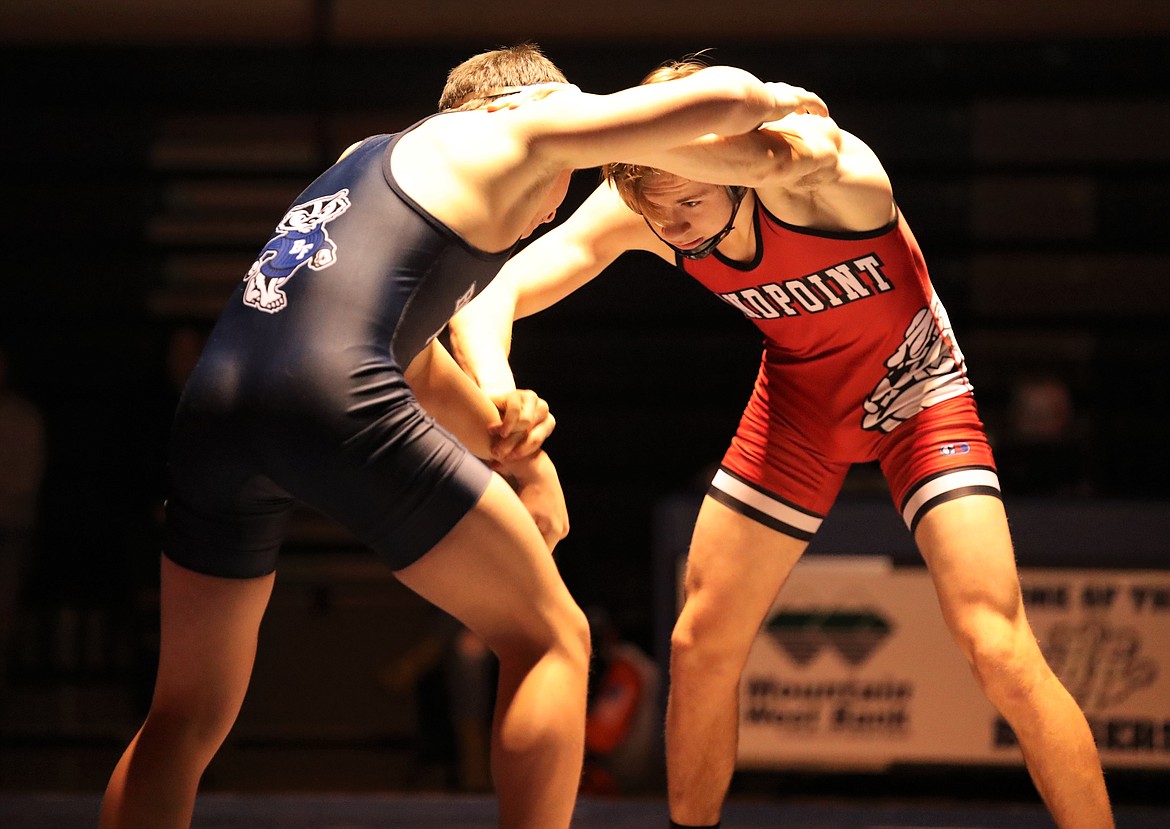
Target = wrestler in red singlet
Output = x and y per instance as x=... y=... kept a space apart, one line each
x=858 y=353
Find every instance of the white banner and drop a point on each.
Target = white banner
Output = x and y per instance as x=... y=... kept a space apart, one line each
x=854 y=668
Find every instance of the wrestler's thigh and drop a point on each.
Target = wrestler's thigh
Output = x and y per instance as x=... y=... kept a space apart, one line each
x=734 y=570
x=208 y=632
x=967 y=547
x=494 y=573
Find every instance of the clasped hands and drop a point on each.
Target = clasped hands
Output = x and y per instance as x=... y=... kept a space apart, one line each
x=525 y=423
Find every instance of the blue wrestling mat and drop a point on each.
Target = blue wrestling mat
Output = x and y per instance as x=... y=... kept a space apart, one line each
x=228 y=811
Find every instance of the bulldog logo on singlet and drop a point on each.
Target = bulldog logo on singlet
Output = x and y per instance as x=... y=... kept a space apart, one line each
x=301 y=239
x=927 y=368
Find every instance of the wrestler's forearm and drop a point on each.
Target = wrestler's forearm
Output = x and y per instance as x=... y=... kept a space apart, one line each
x=453 y=399
x=481 y=336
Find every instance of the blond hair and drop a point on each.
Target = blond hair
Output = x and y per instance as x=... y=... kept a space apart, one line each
x=631 y=180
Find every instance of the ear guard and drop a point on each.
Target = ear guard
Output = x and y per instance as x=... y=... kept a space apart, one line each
x=736 y=195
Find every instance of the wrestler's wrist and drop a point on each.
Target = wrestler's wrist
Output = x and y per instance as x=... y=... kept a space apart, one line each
x=526 y=468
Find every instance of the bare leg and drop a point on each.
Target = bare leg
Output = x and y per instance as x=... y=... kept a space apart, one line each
x=967 y=546
x=209 y=627
x=735 y=568
x=494 y=573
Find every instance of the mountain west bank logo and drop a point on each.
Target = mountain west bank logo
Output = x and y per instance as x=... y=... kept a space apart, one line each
x=826 y=702
x=852 y=634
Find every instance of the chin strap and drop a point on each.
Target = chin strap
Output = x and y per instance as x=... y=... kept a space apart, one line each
x=704 y=250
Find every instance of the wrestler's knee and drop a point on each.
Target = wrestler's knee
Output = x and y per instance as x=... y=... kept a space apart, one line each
x=563 y=635
x=1002 y=652
x=574 y=639
x=197 y=725
x=708 y=641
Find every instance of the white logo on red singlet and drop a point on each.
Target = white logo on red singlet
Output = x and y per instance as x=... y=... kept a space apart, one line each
x=927 y=368
x=832 y=287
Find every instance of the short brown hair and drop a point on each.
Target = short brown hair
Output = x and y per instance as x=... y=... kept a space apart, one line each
x=631 y=179
x=487 y=75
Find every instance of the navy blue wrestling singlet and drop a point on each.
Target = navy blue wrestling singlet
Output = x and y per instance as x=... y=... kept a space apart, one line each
x=299 y=393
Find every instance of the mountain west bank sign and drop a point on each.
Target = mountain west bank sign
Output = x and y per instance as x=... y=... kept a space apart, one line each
x=854 y=667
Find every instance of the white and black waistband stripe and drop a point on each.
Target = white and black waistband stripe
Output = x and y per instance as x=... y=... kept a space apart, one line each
x=764 y=507
x=947 y=486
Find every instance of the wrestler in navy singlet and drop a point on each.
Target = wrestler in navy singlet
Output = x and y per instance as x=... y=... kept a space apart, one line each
x=299 y=393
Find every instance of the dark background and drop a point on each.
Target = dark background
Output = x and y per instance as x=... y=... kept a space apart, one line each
x=151 y=147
